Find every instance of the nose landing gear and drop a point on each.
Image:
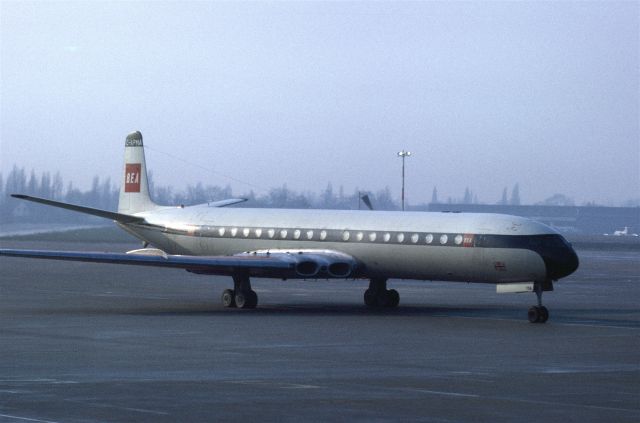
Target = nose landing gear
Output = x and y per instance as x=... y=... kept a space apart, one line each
x=539 y=313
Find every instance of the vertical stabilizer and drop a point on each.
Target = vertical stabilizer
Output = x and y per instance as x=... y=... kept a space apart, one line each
x=134 y=191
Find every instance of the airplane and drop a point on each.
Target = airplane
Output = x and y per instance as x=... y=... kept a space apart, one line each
x=213 y=239
x=623 y=232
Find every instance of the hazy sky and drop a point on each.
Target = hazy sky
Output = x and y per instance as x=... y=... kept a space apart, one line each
x=484 y=94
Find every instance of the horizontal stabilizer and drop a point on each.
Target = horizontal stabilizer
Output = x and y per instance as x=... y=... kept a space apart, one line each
x=119 y=217
x=227 y=202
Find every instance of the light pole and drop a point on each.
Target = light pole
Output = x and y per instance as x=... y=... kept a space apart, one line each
x=403 y=154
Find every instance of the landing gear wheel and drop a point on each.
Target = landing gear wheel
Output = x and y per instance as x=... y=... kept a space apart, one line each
x=538 y=314
x=533 y=314
x=394 y=298
x=544 y=314
x=387 y=298
x=252 y=299
x=382 y=299
x=369 y=298
x=244 y=296
x=246 y=299
x=228 y=298
x=241 y=300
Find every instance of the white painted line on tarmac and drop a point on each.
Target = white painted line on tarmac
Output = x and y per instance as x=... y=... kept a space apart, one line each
x=142 y=410
x=117 y=407
x=528 y=401
x=587 y=323
x=448 y=394
x=564 y=404
x=49 y=381
x=300 y=386
x=26 y=419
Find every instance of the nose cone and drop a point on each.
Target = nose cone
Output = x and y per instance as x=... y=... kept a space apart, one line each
x=561 y=262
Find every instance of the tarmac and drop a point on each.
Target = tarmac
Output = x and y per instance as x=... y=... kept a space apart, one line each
x=82 y=342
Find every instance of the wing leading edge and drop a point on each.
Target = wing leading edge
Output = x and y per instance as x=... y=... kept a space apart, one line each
x=275 y=265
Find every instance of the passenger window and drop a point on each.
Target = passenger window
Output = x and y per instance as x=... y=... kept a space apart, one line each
x=414 y=238
x=245 y=232
x=258 y=233
x=283 y=233
x=372 y=236
x=428 y=239
x=309 y=234
x=221 y=231
x=443 y=239
x=359 y=236
x=296 y=234
x=400 y=237
x=458 y=239
x=323 y=235
x=345 y=236
x=387 y=237
x=271 y=233
x=234 y=231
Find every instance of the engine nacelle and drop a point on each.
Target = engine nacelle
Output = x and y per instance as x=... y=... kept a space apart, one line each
x=311 y=264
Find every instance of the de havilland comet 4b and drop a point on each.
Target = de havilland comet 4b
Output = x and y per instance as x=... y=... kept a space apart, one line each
x=512 y=252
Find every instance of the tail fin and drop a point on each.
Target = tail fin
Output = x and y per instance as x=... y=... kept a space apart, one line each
x=134 y=191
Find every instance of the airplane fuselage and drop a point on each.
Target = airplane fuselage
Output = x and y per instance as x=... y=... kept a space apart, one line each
x=489 y=248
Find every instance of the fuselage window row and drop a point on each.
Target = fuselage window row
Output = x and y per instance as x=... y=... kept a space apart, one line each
x=531 y=242
x=327 y=235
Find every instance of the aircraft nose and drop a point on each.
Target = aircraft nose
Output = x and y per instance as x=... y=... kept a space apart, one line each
x=561 y=262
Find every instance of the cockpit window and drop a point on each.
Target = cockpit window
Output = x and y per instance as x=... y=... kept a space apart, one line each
x=531 y=242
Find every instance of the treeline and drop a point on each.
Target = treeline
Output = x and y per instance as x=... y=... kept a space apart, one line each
x=103 y=194
x=470 y=197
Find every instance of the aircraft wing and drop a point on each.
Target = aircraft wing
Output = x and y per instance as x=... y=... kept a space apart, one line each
x=313 y=264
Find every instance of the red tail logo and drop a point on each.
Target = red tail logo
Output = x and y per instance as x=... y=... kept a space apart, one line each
x=132 y=177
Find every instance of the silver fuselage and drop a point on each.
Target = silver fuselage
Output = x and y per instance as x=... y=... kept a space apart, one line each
x=406 y=245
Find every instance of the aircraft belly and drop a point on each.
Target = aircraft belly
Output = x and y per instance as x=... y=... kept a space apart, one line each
x=421 y=262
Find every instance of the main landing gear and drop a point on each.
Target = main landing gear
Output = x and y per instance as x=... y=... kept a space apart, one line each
x=379 y=296
x=539 y=313
x=241 y=296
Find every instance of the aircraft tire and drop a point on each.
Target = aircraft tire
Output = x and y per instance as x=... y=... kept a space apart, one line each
x=370 y=299
x=252 y=299
x=241 y=299
x=393 y=298
x=383 y=299
x=544 y=314
x=246 y=299
x=538 y=314
x=228 y=298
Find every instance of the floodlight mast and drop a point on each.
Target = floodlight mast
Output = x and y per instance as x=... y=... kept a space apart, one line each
x=403 y=154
